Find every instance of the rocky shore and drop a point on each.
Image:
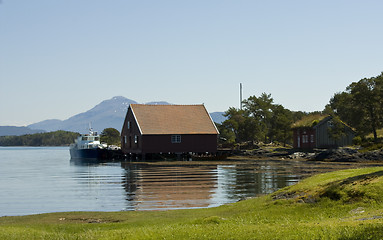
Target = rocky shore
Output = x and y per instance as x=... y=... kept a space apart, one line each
x=330 y=155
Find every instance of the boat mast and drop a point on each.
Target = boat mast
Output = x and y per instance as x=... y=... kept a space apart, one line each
x=90 y=129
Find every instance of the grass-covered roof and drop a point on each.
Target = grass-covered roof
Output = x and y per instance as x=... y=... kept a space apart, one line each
x=309 y=121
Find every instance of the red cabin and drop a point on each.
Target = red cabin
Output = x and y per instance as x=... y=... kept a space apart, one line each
x=304 y=138
x=314 y=131
x=168 y=129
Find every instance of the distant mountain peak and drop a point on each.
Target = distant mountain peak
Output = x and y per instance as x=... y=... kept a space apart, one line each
x=108 y=113
x=158 y=103
x=118 y=97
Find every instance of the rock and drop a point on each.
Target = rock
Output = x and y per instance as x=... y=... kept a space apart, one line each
x=376 y=155
x=338 y=155
x=301 y=155
x=370 y=218
x=358 y=210
x=297 y=155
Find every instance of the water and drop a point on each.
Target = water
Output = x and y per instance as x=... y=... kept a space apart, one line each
x=44 y=179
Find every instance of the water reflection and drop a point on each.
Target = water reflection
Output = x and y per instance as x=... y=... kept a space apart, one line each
x=181 y=185
x=40 y=180
x=156 y=187
x=99 y=183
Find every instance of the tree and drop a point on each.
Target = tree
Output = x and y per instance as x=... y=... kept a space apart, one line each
x=261 y=110
x=361 y=105
x=260 y=120
x=280 y=124
x=57 y=138
x=111 y=136
x=240 y=124
x=337 y=129
x=226 y=135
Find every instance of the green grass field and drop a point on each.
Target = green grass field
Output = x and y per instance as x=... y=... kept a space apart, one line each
x=346 y=204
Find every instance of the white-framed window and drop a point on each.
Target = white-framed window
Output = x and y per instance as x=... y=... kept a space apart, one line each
x=135 y=139
x=128 y=124
x=176 y=139
x=125 y=139
x=305 y=139
x=312 y=138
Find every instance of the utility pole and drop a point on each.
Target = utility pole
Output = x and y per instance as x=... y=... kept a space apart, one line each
x=240 y=96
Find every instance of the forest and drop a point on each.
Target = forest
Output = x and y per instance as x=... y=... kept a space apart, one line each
x=360 y=106
x=110 y=136
x=57 y=138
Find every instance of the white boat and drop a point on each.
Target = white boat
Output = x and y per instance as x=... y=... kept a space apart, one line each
x=88 y=146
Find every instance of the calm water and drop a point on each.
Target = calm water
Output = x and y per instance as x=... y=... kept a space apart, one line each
x=40 y=180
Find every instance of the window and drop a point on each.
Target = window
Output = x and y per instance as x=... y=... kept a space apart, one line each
x=135 y=139
x=125 y=139
x=128 y=124
x=305 y=139
x=176 y=138
x=312 y=138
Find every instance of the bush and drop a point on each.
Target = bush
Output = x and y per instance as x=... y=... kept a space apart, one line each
x=357 y=140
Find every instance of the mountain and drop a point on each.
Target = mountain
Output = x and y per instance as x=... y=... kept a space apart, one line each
x=158 y=103
x=218 y=117
x=17 y=131
x=49 y=125
x=109 y=113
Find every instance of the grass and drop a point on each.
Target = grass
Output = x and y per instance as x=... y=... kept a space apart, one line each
x=338 y=205
x=379 y=132
x=371 y=146
x=308 y=121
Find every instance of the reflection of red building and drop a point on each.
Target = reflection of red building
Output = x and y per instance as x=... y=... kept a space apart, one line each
x=172 y=187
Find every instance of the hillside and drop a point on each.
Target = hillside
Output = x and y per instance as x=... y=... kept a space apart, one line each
x=18 y=131
x=108 y=113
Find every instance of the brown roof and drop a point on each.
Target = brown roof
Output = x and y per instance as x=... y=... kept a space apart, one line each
x=173 y=119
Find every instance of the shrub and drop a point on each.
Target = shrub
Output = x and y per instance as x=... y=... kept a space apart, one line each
x=357 y=140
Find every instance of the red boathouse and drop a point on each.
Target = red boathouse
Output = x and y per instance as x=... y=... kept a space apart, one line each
x=168 y=129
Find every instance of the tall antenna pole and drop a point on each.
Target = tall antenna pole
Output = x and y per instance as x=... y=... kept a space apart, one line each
x=240 y=96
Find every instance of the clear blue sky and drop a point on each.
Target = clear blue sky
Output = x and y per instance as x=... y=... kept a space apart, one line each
x=59 y=58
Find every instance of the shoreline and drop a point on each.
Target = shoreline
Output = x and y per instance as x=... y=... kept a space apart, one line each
x=344 y=154
x=321 y=206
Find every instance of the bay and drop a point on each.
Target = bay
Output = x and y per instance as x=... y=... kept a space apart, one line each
x=37 y=180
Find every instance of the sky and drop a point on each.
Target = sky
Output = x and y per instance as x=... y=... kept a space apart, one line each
x=60 y=58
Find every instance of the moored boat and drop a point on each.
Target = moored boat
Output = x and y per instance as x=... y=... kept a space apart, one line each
x=88 y=146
